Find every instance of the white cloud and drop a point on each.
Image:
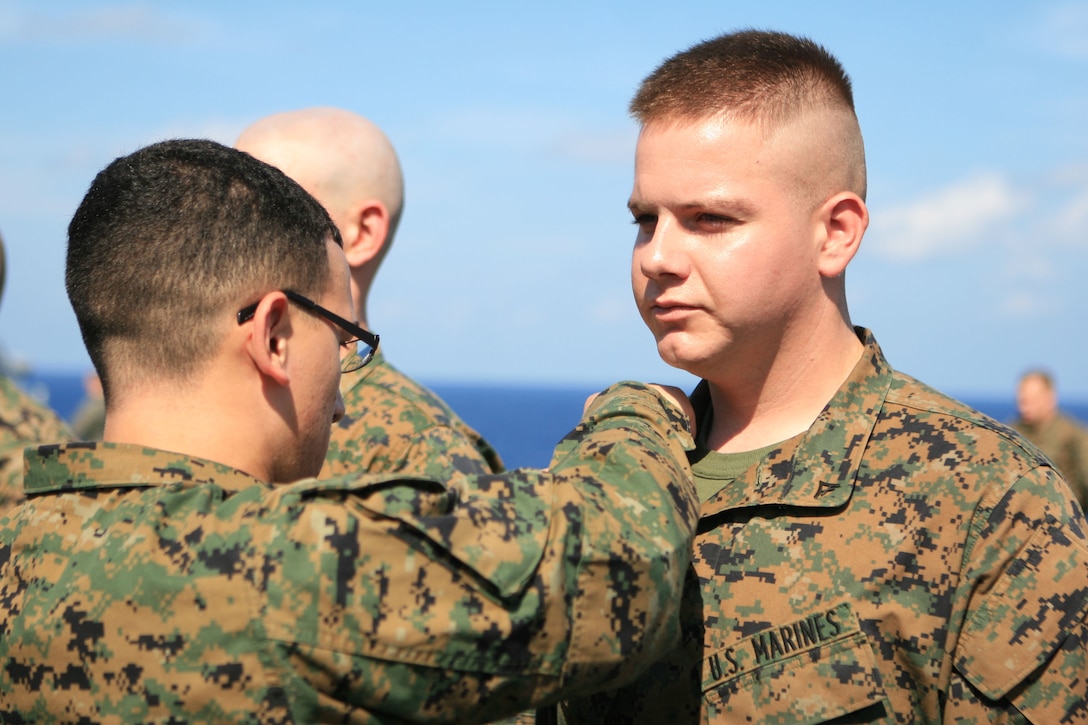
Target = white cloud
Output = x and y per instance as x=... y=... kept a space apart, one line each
x=1063 y=29
x=1071 y=221
x=947 y=221
x=1024 y=304
x=551 y=133
x=110 y=22
x=1075 y=174
x=1028 y=266
x=1061 y=219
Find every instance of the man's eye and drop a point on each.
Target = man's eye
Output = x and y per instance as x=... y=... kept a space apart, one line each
x=644 y=220
x=714 y=222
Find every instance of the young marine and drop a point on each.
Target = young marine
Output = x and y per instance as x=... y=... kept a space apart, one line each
x=869 y=550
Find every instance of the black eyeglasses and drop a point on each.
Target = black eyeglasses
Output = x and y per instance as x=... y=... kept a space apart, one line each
x=361 y=347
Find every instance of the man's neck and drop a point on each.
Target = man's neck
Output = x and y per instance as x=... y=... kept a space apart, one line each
x=784 y=398
x=191 y=423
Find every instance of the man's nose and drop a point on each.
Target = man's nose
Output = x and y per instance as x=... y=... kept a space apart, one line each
x=662 y=253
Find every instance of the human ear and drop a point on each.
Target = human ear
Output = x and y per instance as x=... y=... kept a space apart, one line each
x=268 y=342
x=366 y=233
x=844 y=219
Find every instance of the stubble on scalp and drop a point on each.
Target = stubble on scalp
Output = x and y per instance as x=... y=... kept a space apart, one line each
x=823 y=155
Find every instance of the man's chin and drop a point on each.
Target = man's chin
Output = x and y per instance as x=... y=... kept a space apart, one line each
x=672 y=350
x=684 y=358
x=675 y=359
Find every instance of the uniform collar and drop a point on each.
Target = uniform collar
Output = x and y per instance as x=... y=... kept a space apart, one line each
x=818 y=468
x=71 y=466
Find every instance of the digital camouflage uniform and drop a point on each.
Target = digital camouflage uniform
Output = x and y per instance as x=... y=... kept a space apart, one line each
x=905 y=560
x=1065 y=441
x=395 y=425
x=140 y=585
x=23 y=421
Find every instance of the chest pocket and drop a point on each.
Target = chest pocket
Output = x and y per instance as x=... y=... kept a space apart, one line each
x=807 y=671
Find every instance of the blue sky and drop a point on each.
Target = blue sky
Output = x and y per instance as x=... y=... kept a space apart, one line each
x=511 y=263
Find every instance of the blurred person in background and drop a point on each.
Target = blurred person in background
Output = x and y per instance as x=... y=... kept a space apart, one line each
x=24 y=420
x=1060 y=436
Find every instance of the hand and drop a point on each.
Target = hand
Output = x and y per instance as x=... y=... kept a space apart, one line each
x=672 y=392
x=679 y=397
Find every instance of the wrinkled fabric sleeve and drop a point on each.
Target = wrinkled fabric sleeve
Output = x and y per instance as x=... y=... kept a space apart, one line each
x=498 y=593
x=1022 y=656
x=638 y=502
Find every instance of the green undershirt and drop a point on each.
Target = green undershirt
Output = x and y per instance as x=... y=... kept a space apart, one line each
x=714 y=471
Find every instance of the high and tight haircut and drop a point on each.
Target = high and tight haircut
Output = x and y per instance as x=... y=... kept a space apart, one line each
x=170 y=240
x=755 y=76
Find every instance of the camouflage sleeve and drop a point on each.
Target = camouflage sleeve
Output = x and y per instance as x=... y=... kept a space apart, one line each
x=1023 y=652
x=622 y=473
x=471 y=602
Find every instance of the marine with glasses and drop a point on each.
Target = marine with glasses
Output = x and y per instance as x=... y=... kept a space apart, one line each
x=188 y=568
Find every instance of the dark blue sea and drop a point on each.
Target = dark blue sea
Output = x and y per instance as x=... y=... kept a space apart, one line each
x=522 y=422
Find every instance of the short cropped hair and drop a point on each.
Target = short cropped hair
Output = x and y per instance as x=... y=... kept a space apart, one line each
x=171 y=240
x=755 y=76
x=764 y=78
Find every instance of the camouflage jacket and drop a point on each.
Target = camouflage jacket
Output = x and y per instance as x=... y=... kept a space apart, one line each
x=23 y=421
x=395 y=425
x=140 y=585
x=906 y=560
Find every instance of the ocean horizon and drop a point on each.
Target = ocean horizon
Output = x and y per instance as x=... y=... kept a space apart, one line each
x=523 y=422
